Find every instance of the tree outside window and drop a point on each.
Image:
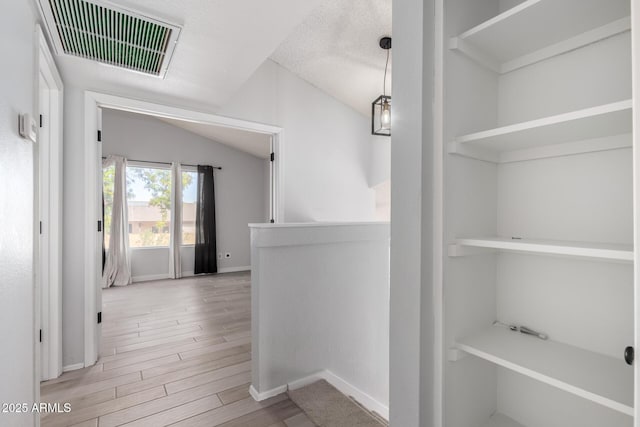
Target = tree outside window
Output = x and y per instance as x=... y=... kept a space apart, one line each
x=149 y=204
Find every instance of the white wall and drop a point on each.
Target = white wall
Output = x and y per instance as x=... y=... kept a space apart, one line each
x=558 y=85
x=239 y=186
x=326 y=146
x=508 y=4
x=320 y=301
x=326 y=155
x=17 y=329
x=380 y=166
x=383 y=201
x=412 y=317
x=380 y=176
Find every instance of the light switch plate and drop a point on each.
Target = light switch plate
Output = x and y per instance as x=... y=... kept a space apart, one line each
x=27 y=127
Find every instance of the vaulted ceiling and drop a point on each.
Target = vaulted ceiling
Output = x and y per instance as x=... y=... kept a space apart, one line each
x=332 y=44
x=222 y=43
x=336 y=49
x=257 y=144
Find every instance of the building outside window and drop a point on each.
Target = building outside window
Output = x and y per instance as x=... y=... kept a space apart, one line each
x=149 y=206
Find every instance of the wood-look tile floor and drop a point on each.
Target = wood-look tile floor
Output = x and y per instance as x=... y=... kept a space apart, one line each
x=173 y=352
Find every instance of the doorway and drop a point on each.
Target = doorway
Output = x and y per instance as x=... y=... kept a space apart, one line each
x=95 y=104
x=157 y=239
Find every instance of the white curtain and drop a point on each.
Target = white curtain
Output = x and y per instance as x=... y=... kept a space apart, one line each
x=117 y=268
x=175 y=261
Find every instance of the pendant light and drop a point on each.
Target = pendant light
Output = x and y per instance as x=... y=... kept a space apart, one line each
x=381 y=107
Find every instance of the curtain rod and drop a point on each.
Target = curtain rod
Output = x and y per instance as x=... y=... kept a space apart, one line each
x=166 y=163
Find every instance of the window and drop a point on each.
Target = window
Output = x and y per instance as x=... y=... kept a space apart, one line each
x=189 y=189
x=108 y=175
x=149 y=205
x=149 y=200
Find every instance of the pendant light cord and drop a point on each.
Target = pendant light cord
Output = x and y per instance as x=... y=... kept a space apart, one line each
x=384 y=83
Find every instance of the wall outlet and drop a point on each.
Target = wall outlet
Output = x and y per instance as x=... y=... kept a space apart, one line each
x=220 y=255
x=227 y=255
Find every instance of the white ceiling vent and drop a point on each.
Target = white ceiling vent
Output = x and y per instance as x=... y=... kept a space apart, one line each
x=94 y=30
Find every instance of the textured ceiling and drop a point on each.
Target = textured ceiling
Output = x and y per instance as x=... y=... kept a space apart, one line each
x=336 y=49
x=254 y=143
x=222 y=43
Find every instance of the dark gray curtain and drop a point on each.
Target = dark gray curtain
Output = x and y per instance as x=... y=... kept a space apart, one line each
x=206 y=261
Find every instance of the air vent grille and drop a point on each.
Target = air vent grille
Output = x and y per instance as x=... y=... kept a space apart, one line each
x=106 y=34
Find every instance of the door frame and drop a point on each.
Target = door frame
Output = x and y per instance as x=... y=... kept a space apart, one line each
x=48 y=204
x=635 y=57
x=94 y=102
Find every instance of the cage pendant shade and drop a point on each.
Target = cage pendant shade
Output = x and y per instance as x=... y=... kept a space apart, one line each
x=381 y=107
x=381 y=116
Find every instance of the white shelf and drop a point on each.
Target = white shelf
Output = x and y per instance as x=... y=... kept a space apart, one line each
x=578 y=131
x=539 y=29
x=611 y=252
x=501 y=420
x=592 y=376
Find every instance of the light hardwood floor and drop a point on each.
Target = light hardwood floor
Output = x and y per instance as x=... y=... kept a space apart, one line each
x=174 y=352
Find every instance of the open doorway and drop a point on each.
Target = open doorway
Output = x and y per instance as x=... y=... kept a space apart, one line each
x=162 y=182
x=96 y=106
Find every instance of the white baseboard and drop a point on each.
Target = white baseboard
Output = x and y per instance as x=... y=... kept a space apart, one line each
x=221 y=270
x=234 y=269
x=360 y=396
x=190 y=273
x=73 y=367
x=258 y=397
x=341 y=385
x=149 y=277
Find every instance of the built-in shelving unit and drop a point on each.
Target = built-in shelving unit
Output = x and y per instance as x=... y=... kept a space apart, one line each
x=602 y=251
x=593 y=376
x=536 y=30
x=536 y=122
x=589 y=126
